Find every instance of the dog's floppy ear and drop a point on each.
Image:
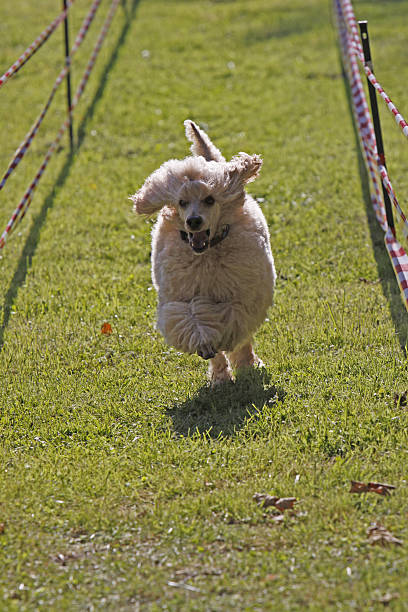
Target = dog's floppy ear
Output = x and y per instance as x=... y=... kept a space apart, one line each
x=202 y=145
x=244 y=168
x=154 y=194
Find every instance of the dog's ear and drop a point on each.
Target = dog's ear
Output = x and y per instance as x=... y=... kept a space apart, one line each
x=244 y=168
x=201 y=144
x=154 y=194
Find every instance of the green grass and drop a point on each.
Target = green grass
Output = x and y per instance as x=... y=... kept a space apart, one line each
x=125 y=482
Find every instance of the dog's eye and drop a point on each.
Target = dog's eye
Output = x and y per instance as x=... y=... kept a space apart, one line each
x=183 y=203
x=209 y=200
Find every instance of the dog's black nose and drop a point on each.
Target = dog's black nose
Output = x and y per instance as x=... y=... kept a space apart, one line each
x=195 y=222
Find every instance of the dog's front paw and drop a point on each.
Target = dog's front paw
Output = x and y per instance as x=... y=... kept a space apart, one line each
x=258 y=363
x=221 y=376
x=206 y=351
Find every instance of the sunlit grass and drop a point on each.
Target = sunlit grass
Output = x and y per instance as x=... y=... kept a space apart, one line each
x=126 y=483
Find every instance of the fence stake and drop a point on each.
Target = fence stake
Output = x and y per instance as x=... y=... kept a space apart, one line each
x=67 y=61
x=376 y=119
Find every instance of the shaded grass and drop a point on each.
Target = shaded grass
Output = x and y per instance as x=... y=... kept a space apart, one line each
x=126 y=483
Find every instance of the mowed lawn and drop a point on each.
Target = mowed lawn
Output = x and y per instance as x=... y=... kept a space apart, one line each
x=126 y=484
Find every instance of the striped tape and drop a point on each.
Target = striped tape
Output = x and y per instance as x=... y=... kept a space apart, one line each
x=387 y=184
x=356 y=47
x=369 y=143
x=99 y=42
x=24 y=146
x=362 y=118
x=25 y=201
x=351 y=50
x=38 y=42
x=399 y=260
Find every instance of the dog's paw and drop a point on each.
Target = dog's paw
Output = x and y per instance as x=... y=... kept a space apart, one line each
x=221 y=377
x=258 y=363
x=206 y=351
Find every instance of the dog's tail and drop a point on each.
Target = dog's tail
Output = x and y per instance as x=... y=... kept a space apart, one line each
x=201 y=144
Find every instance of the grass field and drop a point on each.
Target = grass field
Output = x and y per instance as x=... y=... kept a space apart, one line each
x=125 y=482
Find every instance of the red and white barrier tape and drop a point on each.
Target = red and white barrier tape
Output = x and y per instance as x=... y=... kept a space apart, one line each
x=351 y=49
x=364 y=121
x=347 y=11
x=38 y=42
x=24 y=146
x=95 y=52
x=26 y=199
x=350 y=44
x=362 y=118
x=399 y=261
x=387 y=184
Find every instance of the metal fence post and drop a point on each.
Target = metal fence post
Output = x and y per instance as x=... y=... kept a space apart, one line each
x=68 y=62
x=376 y=119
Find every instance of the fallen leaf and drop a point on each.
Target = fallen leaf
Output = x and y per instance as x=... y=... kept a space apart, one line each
x=2 y=527
x=386 y=598
x=401 y=399
x=106 y=329
x=278 y=518
x=285 y=503
x=358 y=487
x=381 y=488
x=262 y=499
x=377 y=534
x=281 y=503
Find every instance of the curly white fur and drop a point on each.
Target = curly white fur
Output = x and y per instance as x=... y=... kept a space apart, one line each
x=212 y=294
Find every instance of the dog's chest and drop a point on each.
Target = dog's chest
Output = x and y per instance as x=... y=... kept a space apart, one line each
x=206 y=275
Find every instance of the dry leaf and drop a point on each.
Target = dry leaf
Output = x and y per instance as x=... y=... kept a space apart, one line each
x=281 y=503
x=2 y=527
x=381 y=488
x=278 y=518
x=106 y=329
x=262 y=499
x=285 y=503
x=377 y=534
x=386 y=598
x=358 y=487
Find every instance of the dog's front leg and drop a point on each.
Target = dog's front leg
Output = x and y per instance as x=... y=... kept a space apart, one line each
x=191 y=327
x=204 y=327
x=229 y=322
x=219 y=370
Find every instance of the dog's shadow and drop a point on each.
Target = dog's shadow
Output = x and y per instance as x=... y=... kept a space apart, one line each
x=224 y=410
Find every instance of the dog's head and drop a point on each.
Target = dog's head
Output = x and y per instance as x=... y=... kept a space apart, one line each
x=201 y=193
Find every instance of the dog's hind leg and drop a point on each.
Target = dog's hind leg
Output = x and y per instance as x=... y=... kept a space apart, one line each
x=244 y=356
x=220 y=369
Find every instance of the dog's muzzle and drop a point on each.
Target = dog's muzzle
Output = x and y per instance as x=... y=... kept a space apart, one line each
x=200 y=241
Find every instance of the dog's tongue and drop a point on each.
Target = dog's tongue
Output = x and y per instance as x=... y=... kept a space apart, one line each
x=199 y=240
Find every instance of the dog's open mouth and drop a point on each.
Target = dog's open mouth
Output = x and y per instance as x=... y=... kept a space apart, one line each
x=199 y=241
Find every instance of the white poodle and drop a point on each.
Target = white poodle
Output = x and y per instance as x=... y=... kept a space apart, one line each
x=212 y=264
